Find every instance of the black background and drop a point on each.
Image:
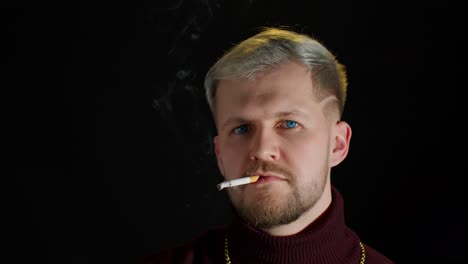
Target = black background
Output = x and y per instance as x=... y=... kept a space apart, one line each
x=109 y=139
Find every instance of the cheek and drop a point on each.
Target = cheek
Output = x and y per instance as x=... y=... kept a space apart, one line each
x=307 y=154
x=305 y=146
x=233 y=151
x=233 y=157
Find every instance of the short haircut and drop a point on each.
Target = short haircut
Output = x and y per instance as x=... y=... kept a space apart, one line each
x=272 y=47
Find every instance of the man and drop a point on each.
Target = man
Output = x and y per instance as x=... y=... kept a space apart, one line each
x=277 y=99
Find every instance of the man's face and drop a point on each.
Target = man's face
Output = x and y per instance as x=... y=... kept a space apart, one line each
x=274 y=126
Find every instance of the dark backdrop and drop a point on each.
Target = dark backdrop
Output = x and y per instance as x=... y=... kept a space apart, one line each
x=109 y=139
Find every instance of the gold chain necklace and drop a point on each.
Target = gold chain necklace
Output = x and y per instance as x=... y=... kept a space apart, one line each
x=228 y=260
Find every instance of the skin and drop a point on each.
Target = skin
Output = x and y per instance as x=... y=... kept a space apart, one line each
x=299 y=147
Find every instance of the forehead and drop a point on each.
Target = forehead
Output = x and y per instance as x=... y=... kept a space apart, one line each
x=279 y=90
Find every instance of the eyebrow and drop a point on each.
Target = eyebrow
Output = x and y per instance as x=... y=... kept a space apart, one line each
x=282 y=114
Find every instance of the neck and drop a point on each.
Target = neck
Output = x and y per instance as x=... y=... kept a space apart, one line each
x=326 y=239
x=305 y=219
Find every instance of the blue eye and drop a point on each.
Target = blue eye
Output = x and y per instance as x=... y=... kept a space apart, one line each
x=240 y=130
x=291 y=124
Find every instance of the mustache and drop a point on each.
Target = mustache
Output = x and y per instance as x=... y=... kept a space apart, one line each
x=269 y=167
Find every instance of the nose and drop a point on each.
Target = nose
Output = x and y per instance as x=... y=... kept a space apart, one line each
x=264 y=146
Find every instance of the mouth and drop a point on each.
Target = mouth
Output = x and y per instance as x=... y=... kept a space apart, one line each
x=268 y=178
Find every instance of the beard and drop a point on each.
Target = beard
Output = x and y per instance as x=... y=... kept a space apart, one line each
x=269 y=209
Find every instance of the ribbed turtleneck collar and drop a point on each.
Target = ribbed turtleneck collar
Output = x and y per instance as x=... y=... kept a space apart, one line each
x=326 y=240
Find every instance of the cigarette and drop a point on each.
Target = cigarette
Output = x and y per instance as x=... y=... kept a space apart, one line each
x=237 y=182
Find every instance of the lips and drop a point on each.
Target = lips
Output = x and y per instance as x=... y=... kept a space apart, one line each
x=269 y=178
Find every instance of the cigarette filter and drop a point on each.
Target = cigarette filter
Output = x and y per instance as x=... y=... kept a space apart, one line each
x=237 y=182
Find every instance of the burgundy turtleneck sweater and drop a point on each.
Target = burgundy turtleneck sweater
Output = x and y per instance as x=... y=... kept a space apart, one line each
x=326 y=241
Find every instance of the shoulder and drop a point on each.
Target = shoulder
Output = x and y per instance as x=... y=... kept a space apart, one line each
x=373 y=256
x=205 y=248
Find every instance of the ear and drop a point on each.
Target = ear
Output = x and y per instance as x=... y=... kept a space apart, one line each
x=340 y=142
x=218 y=154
